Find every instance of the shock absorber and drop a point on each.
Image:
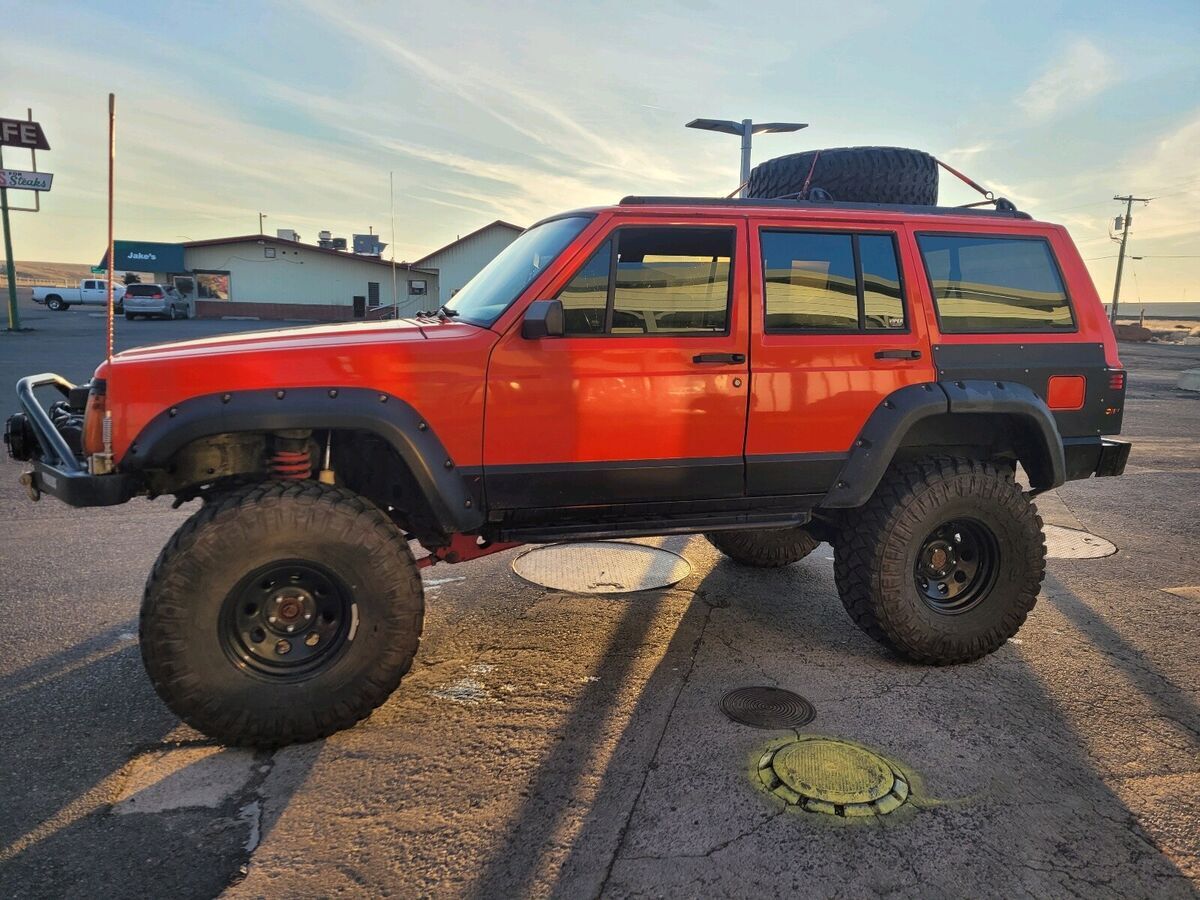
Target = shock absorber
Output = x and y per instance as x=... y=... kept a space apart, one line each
x=290 y=459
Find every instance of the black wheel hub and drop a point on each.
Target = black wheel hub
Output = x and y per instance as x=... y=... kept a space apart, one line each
x=287 y=619
x=956 y=565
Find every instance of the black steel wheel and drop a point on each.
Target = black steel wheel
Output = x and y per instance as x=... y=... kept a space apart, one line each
x=944 y=562
x=288 y=619
x=956 y=565
x=280 y=613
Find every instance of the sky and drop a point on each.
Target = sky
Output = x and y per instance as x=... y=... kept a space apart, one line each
x=501 y=110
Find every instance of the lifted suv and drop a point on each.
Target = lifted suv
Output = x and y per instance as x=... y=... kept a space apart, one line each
x=769 y=373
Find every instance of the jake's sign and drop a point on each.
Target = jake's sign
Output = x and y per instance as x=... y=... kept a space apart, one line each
x=19 y=179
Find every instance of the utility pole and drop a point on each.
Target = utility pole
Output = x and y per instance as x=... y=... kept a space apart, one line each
x=261 y=216
x=1129 y=200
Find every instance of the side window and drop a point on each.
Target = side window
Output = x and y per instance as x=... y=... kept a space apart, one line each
x=831 y=282
x=585 y=298
x=995 y=284
x=664 y=281
x=883 y=305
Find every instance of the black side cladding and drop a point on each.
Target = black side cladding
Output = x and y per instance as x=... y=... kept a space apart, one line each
x=1032 y=364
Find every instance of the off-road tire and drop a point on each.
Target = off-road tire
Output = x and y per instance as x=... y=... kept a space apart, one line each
x=213 y=552
x=875 y=559
x=851 y=175
x=765 y=548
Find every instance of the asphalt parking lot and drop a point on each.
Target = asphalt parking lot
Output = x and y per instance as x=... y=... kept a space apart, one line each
x=548 y=743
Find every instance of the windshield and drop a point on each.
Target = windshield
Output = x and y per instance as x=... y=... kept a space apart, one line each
x=502 y=280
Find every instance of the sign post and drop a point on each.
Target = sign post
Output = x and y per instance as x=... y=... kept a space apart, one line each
x=25 y=134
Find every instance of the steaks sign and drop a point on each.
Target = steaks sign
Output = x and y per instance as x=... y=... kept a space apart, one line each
x=22 y=133
x=26 y=181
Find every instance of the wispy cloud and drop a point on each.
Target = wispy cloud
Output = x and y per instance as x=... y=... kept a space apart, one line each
x=1083 y=71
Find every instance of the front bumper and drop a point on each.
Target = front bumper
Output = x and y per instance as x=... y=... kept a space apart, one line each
x=1101 y=457
x=58 y=472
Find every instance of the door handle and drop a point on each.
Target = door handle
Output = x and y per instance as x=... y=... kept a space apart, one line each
x=728 y=358
x=897 y=354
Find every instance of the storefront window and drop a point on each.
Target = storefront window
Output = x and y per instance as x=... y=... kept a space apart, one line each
x=212 y=285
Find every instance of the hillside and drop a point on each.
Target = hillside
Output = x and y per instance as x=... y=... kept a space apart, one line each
x=47 y=272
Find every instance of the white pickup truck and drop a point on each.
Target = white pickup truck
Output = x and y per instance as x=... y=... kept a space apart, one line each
x=91 y=292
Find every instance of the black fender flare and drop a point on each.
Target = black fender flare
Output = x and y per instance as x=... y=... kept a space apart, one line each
x=385 y=415
x=886 y=427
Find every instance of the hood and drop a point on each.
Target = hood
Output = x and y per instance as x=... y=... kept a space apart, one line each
x=318 y=338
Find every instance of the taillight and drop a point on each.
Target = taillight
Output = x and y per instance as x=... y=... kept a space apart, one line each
x=156 y=296
x=93 y=418
x=1116 y=381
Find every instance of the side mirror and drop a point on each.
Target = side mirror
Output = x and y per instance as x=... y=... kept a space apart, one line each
x=544 y=318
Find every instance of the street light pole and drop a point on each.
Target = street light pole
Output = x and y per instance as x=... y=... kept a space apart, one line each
x=747 y=129
x=261 y=216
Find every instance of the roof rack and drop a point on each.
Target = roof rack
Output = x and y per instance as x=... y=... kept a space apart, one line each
x=826 y=204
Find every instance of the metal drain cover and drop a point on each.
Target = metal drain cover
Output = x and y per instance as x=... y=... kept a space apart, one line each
x=1072 y=543
x=767 y=707
x=835 y=777
x=601 y=567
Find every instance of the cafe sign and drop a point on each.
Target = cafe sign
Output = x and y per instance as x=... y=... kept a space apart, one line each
x=24 y=134
x=19 y=179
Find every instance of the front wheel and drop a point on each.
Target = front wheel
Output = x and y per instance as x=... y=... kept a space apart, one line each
x=944 y=562
x=306 y=624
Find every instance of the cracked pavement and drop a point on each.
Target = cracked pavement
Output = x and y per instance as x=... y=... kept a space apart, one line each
x=549 y=744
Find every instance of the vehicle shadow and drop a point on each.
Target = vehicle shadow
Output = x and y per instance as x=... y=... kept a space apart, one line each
x=999 y=760
x=59 y=835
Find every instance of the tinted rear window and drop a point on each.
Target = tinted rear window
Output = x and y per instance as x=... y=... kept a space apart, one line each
x=143 y=290
x=994 y=284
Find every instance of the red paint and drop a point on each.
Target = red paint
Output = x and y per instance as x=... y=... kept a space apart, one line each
x=494 y=398
x=463 y=547
x=618 y=397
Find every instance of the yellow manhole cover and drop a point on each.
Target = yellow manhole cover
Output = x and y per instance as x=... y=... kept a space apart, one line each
x=832 y=776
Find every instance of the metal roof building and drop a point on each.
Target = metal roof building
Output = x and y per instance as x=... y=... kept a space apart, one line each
x=459 y=261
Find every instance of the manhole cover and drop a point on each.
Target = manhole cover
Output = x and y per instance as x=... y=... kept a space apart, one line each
x=601 y=567
x=1072 y=543
x=767 y=707
x=831 y=776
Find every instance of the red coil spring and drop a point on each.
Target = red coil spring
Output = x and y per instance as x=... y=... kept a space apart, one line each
x=291 y=465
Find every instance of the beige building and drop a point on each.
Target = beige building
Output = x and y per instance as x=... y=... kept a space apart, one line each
x=278 y=278
x=459 y=261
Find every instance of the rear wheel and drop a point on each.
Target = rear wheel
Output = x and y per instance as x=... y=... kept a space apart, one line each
x=307 y=624
x=129 y=317
x=765 y=548
x=54 y=302
x=944 y=562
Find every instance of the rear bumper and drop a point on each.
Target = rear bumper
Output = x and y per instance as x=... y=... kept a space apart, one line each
x=58 y=472
x=1101 y=457
x=147 y=309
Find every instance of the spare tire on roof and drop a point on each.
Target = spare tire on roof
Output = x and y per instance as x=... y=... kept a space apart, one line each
x=852 y=175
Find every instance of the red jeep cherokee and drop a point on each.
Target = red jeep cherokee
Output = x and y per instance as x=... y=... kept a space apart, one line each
x=771 y=373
